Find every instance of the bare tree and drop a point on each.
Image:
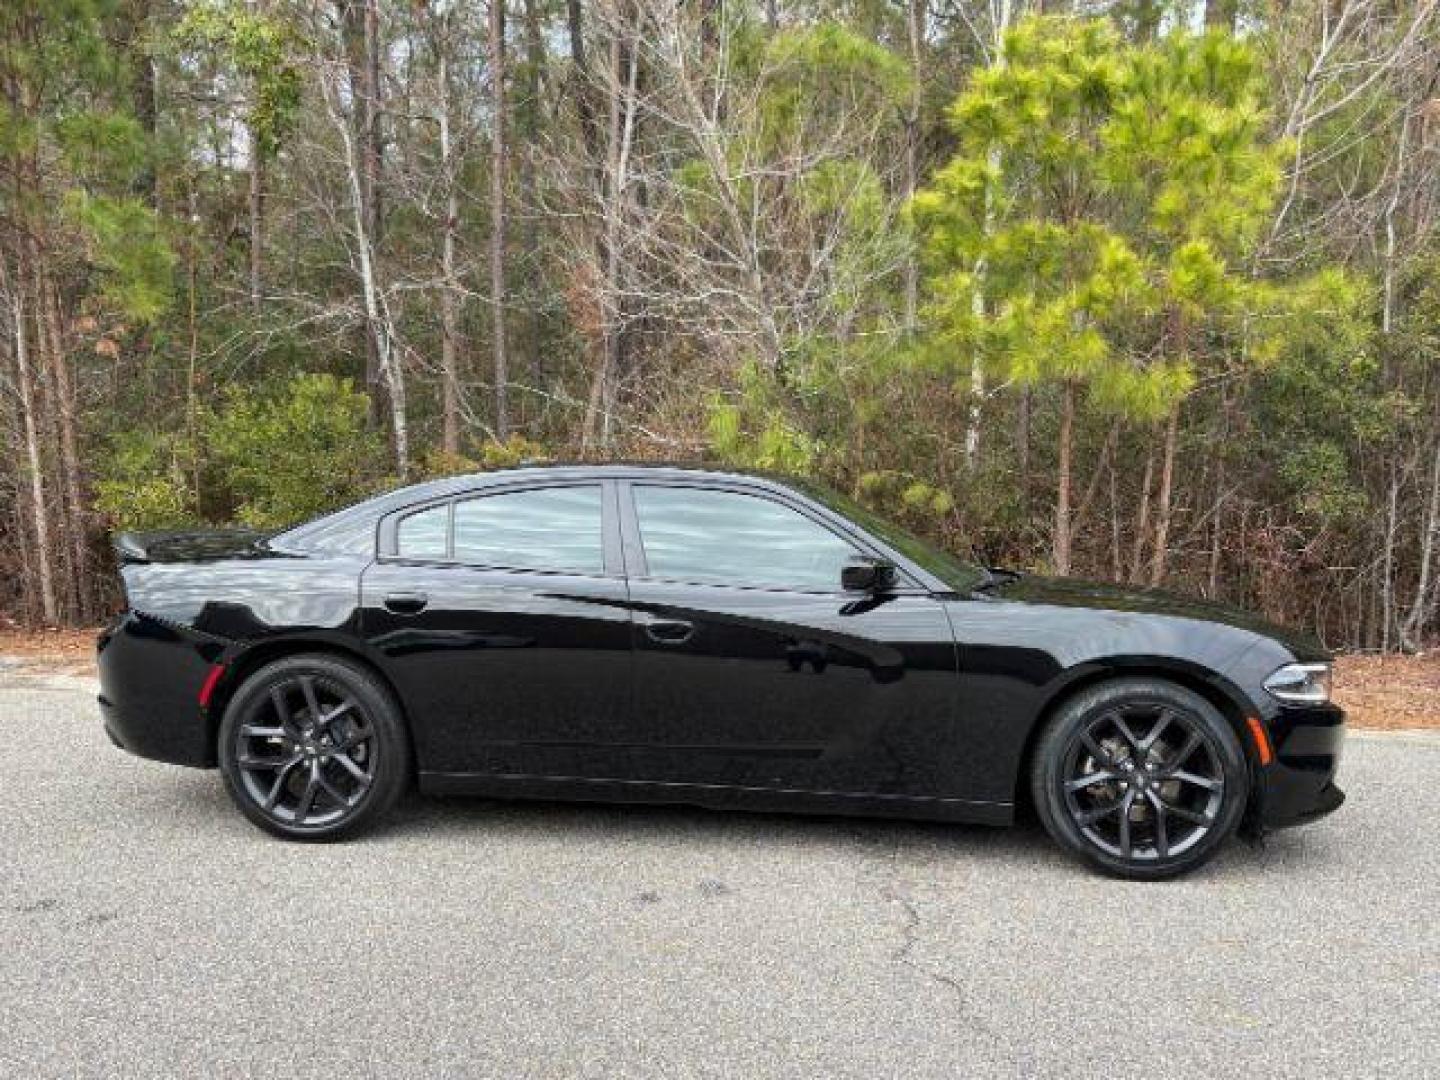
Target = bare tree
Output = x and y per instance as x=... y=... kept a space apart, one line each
x=499 y=170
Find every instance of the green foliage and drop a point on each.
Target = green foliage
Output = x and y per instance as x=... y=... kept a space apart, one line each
x=1081 y=233
x=514 y=451
x=1318 y=479
x=906 y=496
x=129 y=249
x=813 y=78
x=751 y=429
x=262 y=47
x=142 y=484
x=293 y=450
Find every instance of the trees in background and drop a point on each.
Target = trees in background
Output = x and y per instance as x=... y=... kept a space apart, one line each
x=1115 y=295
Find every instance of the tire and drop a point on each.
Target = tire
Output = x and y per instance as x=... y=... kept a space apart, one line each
x=1140 y=777
x=303 y=780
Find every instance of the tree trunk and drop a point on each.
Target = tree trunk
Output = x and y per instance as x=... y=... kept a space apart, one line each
x=1162 y=512
x=584 y=108
x=1061 y=546
x=1220 y=14
x=1387 y=583
x=1022 y=443
x=370 y=158
x=535 y=54
x=142 y=77
x=1147 y=19
x=449 y=330
x=39 y=504
x=257 y=222
x=72 y=478
x=1142 y=517
x=604 y=392
x=499 y=166
x=916 y=12
x=378 y=324
x=1003 y=16
x=1387 y=308
x=1418 y=614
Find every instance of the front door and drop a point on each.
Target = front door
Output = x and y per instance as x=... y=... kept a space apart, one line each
x=753 y=668
x=503 y=620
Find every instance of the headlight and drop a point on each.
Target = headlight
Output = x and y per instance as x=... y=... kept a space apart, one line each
x=1307 y=684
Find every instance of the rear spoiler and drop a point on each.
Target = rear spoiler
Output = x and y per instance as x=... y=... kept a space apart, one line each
x=189 y=545
x=131 y=548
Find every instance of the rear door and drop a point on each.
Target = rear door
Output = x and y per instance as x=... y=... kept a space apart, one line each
x=753 y=668
x=502 y=616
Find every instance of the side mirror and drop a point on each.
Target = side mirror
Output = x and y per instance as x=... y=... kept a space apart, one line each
x=867 y=575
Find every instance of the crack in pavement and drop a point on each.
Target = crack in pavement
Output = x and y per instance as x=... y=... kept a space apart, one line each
x=895 y=891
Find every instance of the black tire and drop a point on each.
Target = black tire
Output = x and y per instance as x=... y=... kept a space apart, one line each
x=1140 y=777
x=313 y=747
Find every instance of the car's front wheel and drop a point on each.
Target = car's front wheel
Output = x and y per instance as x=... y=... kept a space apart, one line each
x=313 y=748
x=1141 y=777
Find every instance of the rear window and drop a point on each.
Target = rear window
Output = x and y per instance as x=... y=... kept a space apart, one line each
x=338 y=534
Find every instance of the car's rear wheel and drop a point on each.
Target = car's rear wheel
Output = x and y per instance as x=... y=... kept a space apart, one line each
x=313 y=748
x=1140 y=777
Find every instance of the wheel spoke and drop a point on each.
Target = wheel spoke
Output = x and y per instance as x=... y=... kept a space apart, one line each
x=1126 y=847
x=1082 y=782
x=307 y=798
x=1161 y=724
x=1090 y=817
x=337 y=712
x=307 y=687
x=1162 y=837
x=280 y=780
x=1189 y=815
x=1098 y=752
x=1124 y=729
x=255 y=731
x=329 y=788
x=1206 y=782
x=246 y=761
x=1191 y=744
x=348 y=763
x=282 y=709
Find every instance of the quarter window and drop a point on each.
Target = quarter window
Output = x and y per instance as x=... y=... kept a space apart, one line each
x=424 y=535
x=695 y=534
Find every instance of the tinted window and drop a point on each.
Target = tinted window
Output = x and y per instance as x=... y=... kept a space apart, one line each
x=424 y=535
x=723 y=536
x=544 y=529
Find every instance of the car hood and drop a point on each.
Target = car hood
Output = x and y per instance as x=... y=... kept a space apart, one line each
x=1076 y=592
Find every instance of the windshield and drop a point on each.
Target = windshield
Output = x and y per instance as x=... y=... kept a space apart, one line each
x=957 y=574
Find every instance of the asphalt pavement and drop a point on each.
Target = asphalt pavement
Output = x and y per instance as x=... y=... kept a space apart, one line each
x=147 y=930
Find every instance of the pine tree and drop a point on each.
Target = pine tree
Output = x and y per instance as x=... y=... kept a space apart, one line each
x=1103 y=186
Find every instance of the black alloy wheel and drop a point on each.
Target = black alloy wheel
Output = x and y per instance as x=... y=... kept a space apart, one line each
x=1141 y=777
x=311 y=747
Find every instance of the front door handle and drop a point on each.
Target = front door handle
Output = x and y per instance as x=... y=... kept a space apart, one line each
x=669 y=631
x=406 y=603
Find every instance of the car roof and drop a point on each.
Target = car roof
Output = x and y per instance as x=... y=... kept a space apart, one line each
x=378 y=505
x=580 y=470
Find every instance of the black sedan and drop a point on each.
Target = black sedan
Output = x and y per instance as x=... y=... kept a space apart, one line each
x=649 y=634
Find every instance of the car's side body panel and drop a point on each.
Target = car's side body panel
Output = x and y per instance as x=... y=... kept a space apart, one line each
x=503 y=672
x=549 y=684
x=798 y=691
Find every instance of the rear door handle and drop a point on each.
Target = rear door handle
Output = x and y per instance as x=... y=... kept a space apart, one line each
x=406 y=603
x=669 y=631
